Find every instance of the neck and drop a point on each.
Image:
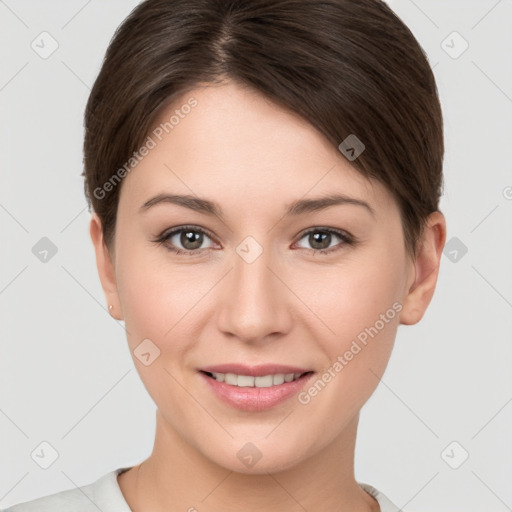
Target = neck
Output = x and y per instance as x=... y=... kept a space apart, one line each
x=177 y=477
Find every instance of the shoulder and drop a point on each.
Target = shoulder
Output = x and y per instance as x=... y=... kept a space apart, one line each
x=386 y=505
x=103 y=494
x=71 y=499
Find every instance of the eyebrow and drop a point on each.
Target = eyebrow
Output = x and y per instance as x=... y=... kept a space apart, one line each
x=299 y=207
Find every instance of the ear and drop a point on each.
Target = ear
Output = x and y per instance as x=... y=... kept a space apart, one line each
x=425 y=269
x=106 y=269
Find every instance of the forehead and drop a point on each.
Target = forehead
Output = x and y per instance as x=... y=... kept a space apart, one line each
x=237 y=145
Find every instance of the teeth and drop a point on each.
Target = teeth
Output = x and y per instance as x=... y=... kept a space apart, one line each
x=241 y=380
x=278 y=379
x=231 y=378
x=264 y=381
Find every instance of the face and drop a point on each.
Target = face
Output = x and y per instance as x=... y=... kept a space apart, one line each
x=256 y=282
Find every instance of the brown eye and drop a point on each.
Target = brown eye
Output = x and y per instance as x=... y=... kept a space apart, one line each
x=185 y=240
x=191 y=239
x=320 y=239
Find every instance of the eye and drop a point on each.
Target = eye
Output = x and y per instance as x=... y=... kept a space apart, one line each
x=191 y=238
x=321 y=238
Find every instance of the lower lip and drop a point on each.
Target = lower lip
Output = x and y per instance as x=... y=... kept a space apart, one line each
x=253 y=398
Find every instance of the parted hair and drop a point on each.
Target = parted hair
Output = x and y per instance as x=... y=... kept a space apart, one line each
x=345 y=66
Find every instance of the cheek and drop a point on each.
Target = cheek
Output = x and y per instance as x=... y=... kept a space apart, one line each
x=356 y=303
x=148 y=291
x=157 y=301
x=161 y=300
x=355 y=293
x=359 y=310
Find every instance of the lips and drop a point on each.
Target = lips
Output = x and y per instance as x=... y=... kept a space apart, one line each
x=254 y=397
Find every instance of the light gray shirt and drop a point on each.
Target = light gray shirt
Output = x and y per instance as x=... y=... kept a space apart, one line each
x=105 y=495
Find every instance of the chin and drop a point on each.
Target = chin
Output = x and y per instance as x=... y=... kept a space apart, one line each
x=256 y=458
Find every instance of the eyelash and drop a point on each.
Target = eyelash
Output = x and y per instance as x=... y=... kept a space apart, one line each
x=164 y=237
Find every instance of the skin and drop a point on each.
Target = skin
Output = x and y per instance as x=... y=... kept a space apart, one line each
x=289 y=306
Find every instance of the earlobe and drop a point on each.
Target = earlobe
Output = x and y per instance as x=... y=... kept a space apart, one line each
x=105 y=266
x=426 y=269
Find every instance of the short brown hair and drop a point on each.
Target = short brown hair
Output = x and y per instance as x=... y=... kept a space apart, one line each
x=346 y=66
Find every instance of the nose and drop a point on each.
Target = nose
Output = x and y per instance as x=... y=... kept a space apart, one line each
x=254 y=302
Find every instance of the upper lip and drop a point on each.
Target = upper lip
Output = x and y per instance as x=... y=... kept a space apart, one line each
x=253 y=371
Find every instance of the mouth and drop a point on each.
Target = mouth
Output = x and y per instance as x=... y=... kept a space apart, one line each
x=254 y=389
x=251 y=381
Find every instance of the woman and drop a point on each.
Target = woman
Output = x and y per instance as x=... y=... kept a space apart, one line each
x=264 y=178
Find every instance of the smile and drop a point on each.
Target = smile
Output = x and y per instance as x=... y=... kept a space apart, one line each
x=264 y=381
x=254 y=393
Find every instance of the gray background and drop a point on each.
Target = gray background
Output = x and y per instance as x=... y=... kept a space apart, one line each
x=66 y=376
